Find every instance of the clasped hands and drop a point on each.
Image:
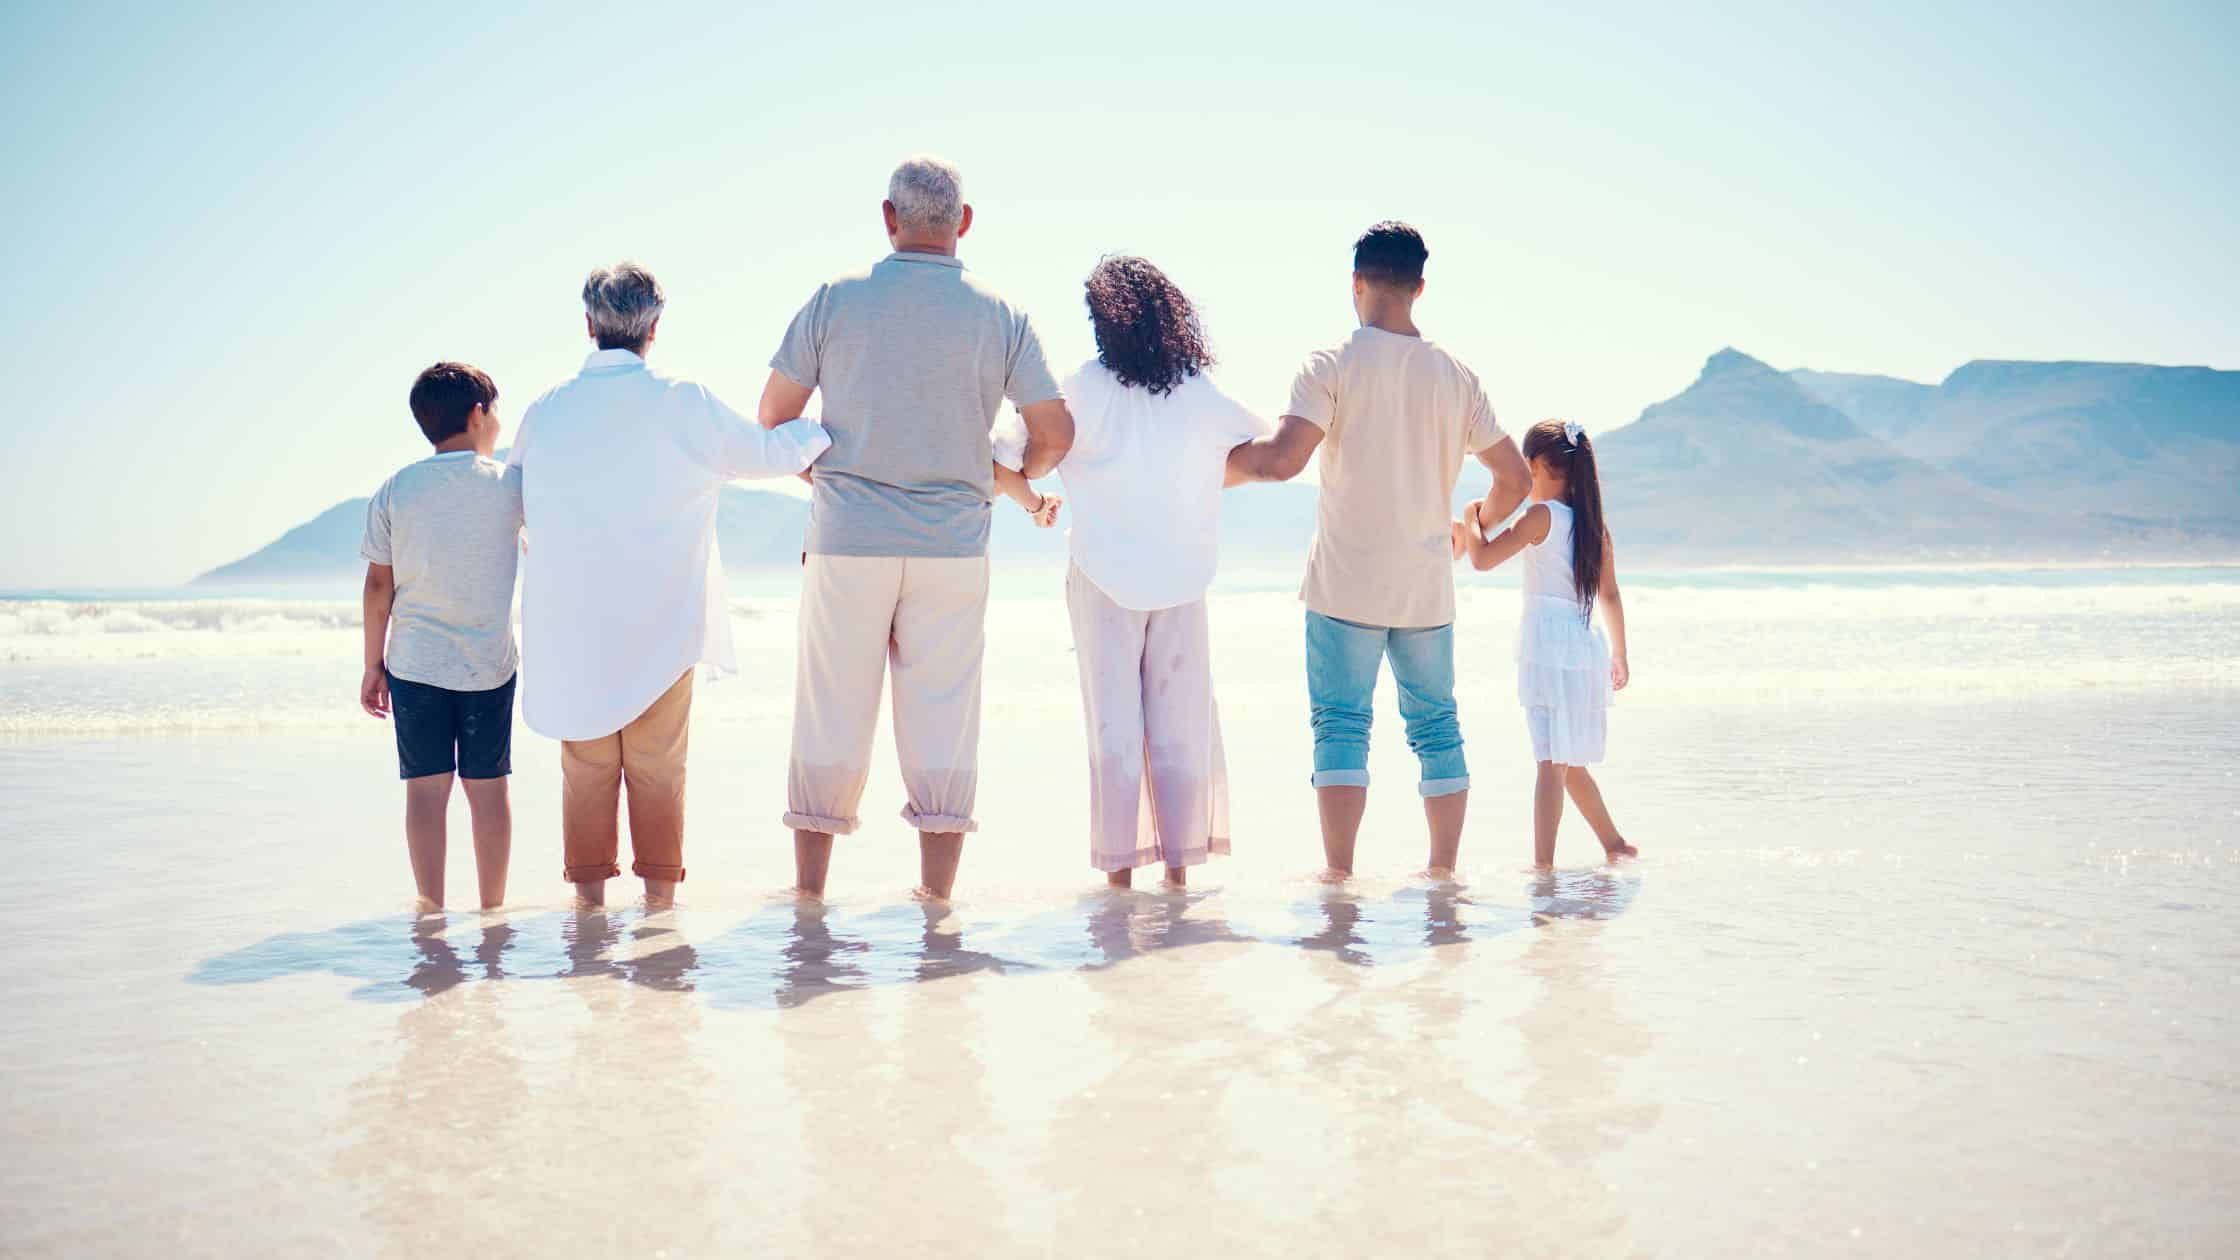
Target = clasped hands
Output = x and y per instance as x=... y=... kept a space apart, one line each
x=1463 y=532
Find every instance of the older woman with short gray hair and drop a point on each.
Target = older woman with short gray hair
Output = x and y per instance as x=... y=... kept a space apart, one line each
x=622 y=588
x=621 y=304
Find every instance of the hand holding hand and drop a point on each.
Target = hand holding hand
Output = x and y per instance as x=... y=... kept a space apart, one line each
x=1046 y=512
x=1468 y=531
x=373 y=691
x=1620 y=672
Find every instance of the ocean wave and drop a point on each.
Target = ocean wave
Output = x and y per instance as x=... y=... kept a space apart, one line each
x=37 y=631
x=1843 y=622
x=1837 y=603
x=65 y=619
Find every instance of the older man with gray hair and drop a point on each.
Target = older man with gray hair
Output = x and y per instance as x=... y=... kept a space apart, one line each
x=622 y=587
x=913 y=358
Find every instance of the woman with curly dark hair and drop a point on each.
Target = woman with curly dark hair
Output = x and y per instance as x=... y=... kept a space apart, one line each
x=1151 y=443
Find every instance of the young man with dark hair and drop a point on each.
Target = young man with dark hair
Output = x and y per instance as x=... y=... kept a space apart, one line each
x=1392 y=414
x=441 y=544
x=1391 y=255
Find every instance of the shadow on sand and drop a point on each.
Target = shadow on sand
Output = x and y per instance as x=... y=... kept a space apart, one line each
x=789 y=952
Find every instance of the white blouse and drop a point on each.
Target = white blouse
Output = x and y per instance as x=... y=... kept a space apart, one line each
x=1143 y=482
x=621 y=586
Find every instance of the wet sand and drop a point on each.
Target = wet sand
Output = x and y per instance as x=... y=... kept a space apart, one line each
x=1909 y=969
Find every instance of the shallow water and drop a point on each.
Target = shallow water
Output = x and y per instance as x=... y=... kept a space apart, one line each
x=1932 y=953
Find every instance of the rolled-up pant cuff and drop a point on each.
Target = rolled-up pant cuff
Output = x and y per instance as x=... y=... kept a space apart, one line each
x=1341 y=778
x=1444 y=787
x=820 y=823
x=938 y=823
x=654 y=870
x=585 y=874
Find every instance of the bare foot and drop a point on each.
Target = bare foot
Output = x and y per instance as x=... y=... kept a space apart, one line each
x=426 y=905
x=1120 y=879
x=923 y=893
x=1332 y=875
x=1620 y=851
x=1178 y=878
x=1438 y=875
x=591 y=895
x=809 y=896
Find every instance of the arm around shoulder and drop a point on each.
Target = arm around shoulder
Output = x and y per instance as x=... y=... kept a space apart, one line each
x=781 y=445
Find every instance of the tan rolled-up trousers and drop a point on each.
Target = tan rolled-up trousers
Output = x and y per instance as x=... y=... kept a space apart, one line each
x=648 y=755
x=925 y=621
x=1158 y=784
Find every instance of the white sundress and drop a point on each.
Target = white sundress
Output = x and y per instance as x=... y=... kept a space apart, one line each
x=1563 y=660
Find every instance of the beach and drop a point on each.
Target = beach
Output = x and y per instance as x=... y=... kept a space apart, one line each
x=1931 y=952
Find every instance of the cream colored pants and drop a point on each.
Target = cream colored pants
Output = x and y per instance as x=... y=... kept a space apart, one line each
x=862 y=617
x=1158 y=786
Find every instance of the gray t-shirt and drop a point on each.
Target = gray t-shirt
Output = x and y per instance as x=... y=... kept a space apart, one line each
x=913 y=359
x=450 y=526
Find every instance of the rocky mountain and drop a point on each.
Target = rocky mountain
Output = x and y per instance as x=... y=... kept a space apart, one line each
x=321 y=549
x=1747 y=464
x=2156 y=446
x=1885 y=406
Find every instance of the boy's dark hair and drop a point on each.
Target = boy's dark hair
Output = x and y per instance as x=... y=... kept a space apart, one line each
x=444 y=394
x=1390 y=254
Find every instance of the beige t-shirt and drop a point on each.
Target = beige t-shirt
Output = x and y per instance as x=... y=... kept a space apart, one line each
x=1397 y=415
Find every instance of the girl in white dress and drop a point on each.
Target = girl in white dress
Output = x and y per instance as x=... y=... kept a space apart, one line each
x=1566 y=669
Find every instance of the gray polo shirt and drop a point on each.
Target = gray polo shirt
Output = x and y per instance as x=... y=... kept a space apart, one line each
x=450 y=526
x=913 y=359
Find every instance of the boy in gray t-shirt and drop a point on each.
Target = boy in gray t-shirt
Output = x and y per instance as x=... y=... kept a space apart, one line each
x=442 y=542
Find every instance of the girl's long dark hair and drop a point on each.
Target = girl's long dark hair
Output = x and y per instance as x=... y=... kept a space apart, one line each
x=1147 y=331
x=1582 y=494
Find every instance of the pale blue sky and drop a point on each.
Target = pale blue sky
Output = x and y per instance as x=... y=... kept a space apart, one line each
x=234 y=236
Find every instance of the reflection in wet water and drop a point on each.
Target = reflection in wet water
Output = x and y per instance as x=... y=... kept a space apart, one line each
x=1577 y=1034
x=816 y=961
x=789 y=952
x=1593 y=893
x=1122 y=925
x=455 y=1068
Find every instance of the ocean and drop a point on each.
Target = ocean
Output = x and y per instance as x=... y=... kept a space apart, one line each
x=1932 y=951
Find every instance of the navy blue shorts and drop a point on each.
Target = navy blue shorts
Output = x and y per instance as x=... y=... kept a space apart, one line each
x=440 y=731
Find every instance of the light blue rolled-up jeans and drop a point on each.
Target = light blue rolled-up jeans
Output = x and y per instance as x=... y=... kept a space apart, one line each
x=1343 y=660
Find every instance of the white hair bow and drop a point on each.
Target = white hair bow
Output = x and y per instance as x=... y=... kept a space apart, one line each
x=1574 y=431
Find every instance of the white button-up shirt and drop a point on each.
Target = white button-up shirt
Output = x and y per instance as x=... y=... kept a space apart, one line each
x=622 y=588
